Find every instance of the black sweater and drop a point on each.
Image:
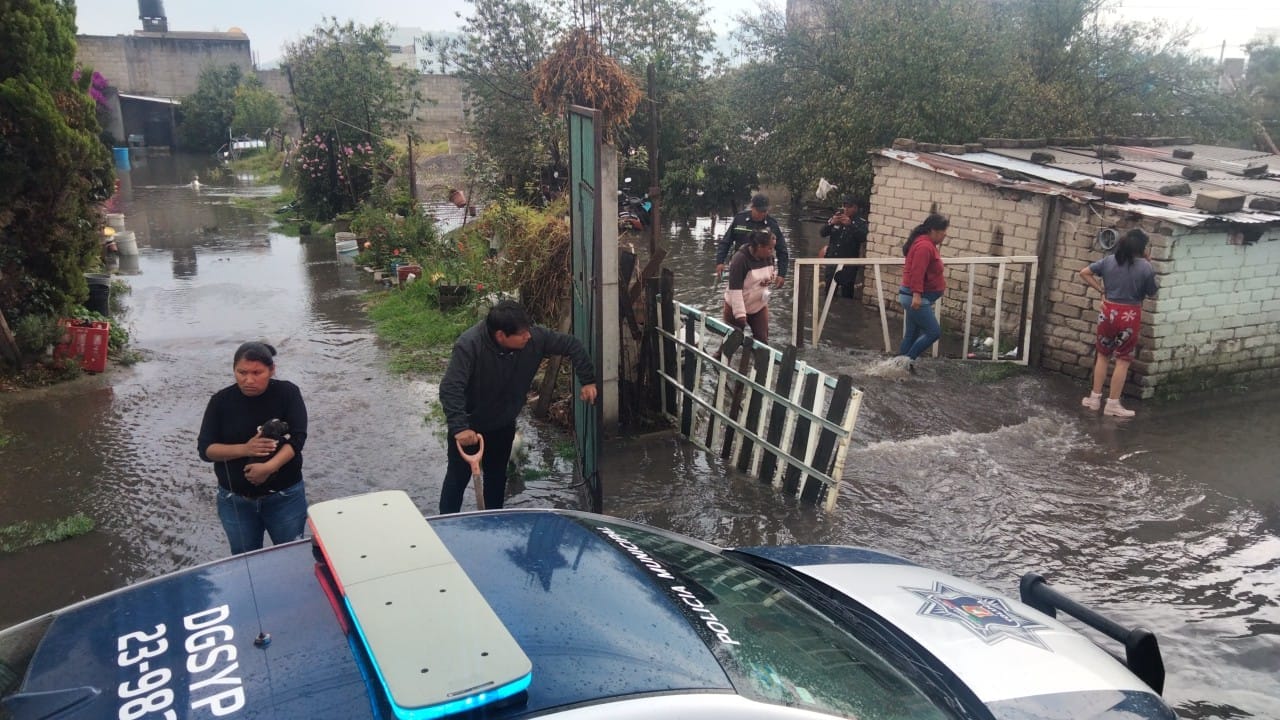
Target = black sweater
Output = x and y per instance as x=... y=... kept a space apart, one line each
x=486 y=386
x=233 y=417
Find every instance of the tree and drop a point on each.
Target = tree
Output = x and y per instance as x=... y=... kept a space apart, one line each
x=1262 y=86
x=349 y=98
x=257 y=110
x=952 y=71
x=504 y=41
x=53 y=168
x=343 y=82
x=207 y=113
x=501 y=44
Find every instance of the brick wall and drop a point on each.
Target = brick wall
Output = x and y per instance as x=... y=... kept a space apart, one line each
x=1215 y=322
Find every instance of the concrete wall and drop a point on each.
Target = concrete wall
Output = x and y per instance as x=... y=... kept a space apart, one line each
x=1215 y=322
x=161 y=64
x=444 y=113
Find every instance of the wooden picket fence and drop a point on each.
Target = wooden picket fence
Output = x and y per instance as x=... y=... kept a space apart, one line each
x=762 y=411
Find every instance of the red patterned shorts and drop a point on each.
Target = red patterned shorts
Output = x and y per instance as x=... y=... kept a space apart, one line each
x=1118 y=329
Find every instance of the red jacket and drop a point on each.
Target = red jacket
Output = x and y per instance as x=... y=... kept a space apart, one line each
x=923 y=272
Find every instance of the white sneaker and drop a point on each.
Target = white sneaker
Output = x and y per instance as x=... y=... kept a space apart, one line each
x=1115 y=409
x=1093 y=401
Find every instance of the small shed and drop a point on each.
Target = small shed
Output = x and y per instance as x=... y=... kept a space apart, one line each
x=1213 y=215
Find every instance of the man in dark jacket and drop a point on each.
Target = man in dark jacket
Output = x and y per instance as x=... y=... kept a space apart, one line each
x=847 y=233
x=485 y=387
x=740 y=228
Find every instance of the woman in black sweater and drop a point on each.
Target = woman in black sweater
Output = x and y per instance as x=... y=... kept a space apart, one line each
x=257 y=459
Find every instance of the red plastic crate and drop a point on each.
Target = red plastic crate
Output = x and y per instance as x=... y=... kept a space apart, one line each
x=87 y=340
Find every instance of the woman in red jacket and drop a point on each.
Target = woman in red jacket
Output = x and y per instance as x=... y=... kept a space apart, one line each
x=922 y=284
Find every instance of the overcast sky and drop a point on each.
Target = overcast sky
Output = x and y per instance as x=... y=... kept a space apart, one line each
x=271 y=23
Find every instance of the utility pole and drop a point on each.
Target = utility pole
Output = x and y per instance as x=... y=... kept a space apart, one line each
x=655 y=185
x=413 y=175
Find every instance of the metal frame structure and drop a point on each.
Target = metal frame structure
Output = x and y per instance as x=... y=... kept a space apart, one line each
x=819 y=311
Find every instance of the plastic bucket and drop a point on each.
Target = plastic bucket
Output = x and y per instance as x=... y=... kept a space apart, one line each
x=115 y=221
x=122 y=158
x=126 y=243
x=99 y=293
x=404 y=271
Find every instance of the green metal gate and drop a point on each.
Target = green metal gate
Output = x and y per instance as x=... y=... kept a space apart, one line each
x=586 y=224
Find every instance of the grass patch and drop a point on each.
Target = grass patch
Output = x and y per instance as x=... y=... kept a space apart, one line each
x=27 y=534
x=265 y=166
x=419 y=334
x=532 y=473
x=565 y=450
x=5 y=440
x=993 y=372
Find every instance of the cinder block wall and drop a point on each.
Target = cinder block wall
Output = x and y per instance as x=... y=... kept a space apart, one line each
x=985 y=222
x=1216 y=321
x=1218 y=316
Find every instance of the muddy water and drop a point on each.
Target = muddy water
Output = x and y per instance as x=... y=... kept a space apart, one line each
x=1169 y=520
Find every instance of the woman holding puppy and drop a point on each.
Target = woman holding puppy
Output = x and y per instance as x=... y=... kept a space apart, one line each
x=260 y=485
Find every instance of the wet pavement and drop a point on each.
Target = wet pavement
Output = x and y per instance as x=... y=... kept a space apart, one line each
x=1170 y=520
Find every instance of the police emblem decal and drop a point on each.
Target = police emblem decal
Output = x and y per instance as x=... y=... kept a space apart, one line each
x=988 y=617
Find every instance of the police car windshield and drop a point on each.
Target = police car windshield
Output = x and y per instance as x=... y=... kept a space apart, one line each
x=774 y=647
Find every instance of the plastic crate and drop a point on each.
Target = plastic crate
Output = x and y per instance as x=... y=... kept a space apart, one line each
x=86 y=340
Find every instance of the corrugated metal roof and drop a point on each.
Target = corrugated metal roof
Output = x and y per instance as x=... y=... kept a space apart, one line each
x=1153 y=168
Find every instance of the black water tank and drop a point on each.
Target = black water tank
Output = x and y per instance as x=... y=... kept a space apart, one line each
x=151 y=13
x=99 y=293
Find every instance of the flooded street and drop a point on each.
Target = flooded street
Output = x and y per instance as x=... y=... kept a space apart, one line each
x=1171 y=520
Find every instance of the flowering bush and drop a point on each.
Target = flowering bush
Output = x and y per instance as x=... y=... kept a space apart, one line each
x=97 y=88
x=332 y=176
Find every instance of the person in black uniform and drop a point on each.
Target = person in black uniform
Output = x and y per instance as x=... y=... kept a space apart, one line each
x=260 y=486
x=756 y=217
x=485 y=387
x=847 y=237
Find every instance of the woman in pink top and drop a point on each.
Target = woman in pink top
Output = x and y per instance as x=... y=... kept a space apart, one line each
x=751 y=274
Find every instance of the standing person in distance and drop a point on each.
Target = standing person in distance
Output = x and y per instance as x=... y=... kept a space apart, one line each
x=923 y=282
x=756 y=217
x=847 y=235
x=485 y=387
x=751 y=275
x=260 y=486
x=1127 y=278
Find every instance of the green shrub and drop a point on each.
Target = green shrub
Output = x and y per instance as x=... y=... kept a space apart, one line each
x=35 y=333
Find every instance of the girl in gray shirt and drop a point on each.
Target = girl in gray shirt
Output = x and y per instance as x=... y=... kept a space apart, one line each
x=1123 y=280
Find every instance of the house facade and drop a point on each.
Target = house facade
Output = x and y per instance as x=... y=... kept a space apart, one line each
x=1213 y=216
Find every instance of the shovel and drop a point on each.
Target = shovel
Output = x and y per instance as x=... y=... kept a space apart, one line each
x=477 y=476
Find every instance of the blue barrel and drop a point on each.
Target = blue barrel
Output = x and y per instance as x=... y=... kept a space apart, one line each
x=122 y=158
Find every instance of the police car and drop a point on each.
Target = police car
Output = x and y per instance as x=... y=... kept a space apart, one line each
x=383 y=613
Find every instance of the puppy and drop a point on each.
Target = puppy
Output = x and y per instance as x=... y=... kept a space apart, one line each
x=274 y=429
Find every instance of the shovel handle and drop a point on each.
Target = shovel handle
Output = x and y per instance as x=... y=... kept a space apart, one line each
x=477 y=475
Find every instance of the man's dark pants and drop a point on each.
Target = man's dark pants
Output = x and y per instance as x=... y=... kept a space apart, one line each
x=497 y=451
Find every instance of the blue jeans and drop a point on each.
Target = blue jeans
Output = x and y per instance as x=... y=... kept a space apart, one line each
x=922 y=328
x=282 y=515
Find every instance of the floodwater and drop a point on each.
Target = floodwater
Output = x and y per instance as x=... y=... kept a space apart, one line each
x=1169 y=520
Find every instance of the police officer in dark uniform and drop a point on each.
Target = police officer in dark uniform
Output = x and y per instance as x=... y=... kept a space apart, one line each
x=756 y=217
x=847 y=236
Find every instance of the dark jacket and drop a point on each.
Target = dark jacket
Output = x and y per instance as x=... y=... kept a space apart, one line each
x=845 y=240
x=486 y=386
x=233 y=417
x=739 y=232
